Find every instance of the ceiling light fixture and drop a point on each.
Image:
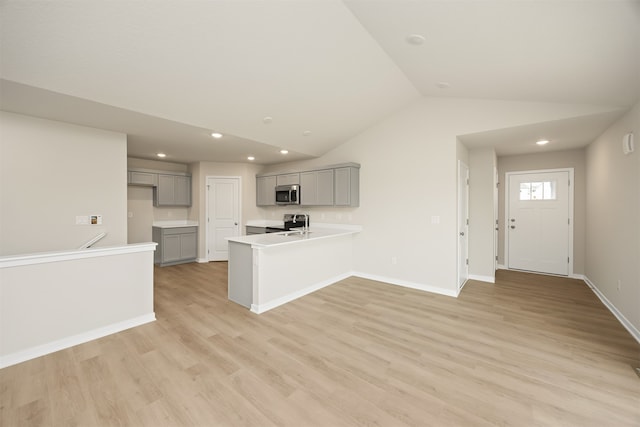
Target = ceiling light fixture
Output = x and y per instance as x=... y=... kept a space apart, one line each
x=306 y=133
x=443 y=85
x=161 y=155
x=542 y=142
x=284 y=151
x=216 y=135
x=251 y=158
x=267 y=120
x=415 y=39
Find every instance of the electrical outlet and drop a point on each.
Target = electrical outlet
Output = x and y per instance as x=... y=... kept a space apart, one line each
x=394 y=260
x=129 y=214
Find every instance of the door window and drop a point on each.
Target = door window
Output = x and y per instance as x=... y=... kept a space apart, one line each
x=540 y=190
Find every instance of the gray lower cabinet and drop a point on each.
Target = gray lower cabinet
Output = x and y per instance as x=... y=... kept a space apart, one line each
x=266 y=191
x=175 y=245
x=173 y=190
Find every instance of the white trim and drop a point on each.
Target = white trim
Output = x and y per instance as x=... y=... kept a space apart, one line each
x=61 y=344
x=73 y=254
x=489 y=279
x=261 y=308
x=635 y=333
x=202 y=260
x=507 y=175
x=464 y=226
x=501 y=267
x=206 y=210
x=407 y=284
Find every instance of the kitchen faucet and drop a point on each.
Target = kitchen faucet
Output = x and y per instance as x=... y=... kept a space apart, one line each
x=306 y=221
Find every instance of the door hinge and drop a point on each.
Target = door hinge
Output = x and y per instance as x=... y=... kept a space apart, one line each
x=496 y=257
x=467 y=181
x=568 y=260
x=467 y=261
x=208 y=186
x=568 y=221
x=467 y=221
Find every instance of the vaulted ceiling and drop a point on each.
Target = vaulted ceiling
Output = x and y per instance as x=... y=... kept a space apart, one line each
x=308 y=75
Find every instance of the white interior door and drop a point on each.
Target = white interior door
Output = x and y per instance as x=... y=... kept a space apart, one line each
x=463 y=224
x=223 y=215
x=538 y=222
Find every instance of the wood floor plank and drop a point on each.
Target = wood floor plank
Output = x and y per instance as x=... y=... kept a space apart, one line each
x=528 y=350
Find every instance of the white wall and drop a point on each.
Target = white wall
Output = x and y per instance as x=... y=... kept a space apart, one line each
x=408 y=176
x=51 y=172
x=612 y=220
x=481 y=216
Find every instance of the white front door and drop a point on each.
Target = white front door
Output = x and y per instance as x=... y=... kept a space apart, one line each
x=463 y=224
x=538 y=222
x=223 y=215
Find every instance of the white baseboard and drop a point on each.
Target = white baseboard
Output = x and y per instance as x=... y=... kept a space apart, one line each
x=202 y=260
x=501 y=267
x=489 y=279
x=261 y=308
x=635 y=333
x=61 y=344
x=407 y=284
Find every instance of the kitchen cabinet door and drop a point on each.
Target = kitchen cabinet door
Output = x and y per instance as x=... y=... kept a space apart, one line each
x=182 y=190
x=142 y=178
x=347 y=187
x=188 y=246
x=165 y=190
x=266 y=191
x=173 y=190
x=288 y=179
x=316 y=188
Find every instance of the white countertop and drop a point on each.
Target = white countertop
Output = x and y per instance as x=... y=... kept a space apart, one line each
x=175 y=223
x=292 y=237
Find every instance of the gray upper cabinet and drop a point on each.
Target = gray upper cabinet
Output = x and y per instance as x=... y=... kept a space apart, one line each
x=169 y=188
x=142 y=178
x=347 y=186
x=316 y=188
x=288 y=179
x=336 y=185
x=266 y=190
x=173 y=190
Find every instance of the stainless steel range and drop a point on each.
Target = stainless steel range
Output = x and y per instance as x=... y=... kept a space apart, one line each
x=289 y=221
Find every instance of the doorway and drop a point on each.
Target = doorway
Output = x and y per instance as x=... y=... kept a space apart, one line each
x=223 y=215
x=463 y=224
x=539 y=221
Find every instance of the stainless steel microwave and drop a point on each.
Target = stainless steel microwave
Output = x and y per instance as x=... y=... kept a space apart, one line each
x=288 y=194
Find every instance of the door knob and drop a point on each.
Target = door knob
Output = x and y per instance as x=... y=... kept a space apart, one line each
x=462 y=233
x=513 y=226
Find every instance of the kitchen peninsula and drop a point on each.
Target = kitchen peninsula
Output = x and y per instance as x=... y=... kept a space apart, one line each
x=268 y=270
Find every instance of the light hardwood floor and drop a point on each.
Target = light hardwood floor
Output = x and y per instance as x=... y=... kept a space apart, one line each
x=528 y=351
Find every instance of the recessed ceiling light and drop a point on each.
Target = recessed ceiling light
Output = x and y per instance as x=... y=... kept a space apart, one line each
x=415 y=39
x=284 y=151
x=542 y=142
x=306 y=133
x=216 y=135
x=267 y=120
x=443 y=85
x=251 y=158
x=161 y=155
